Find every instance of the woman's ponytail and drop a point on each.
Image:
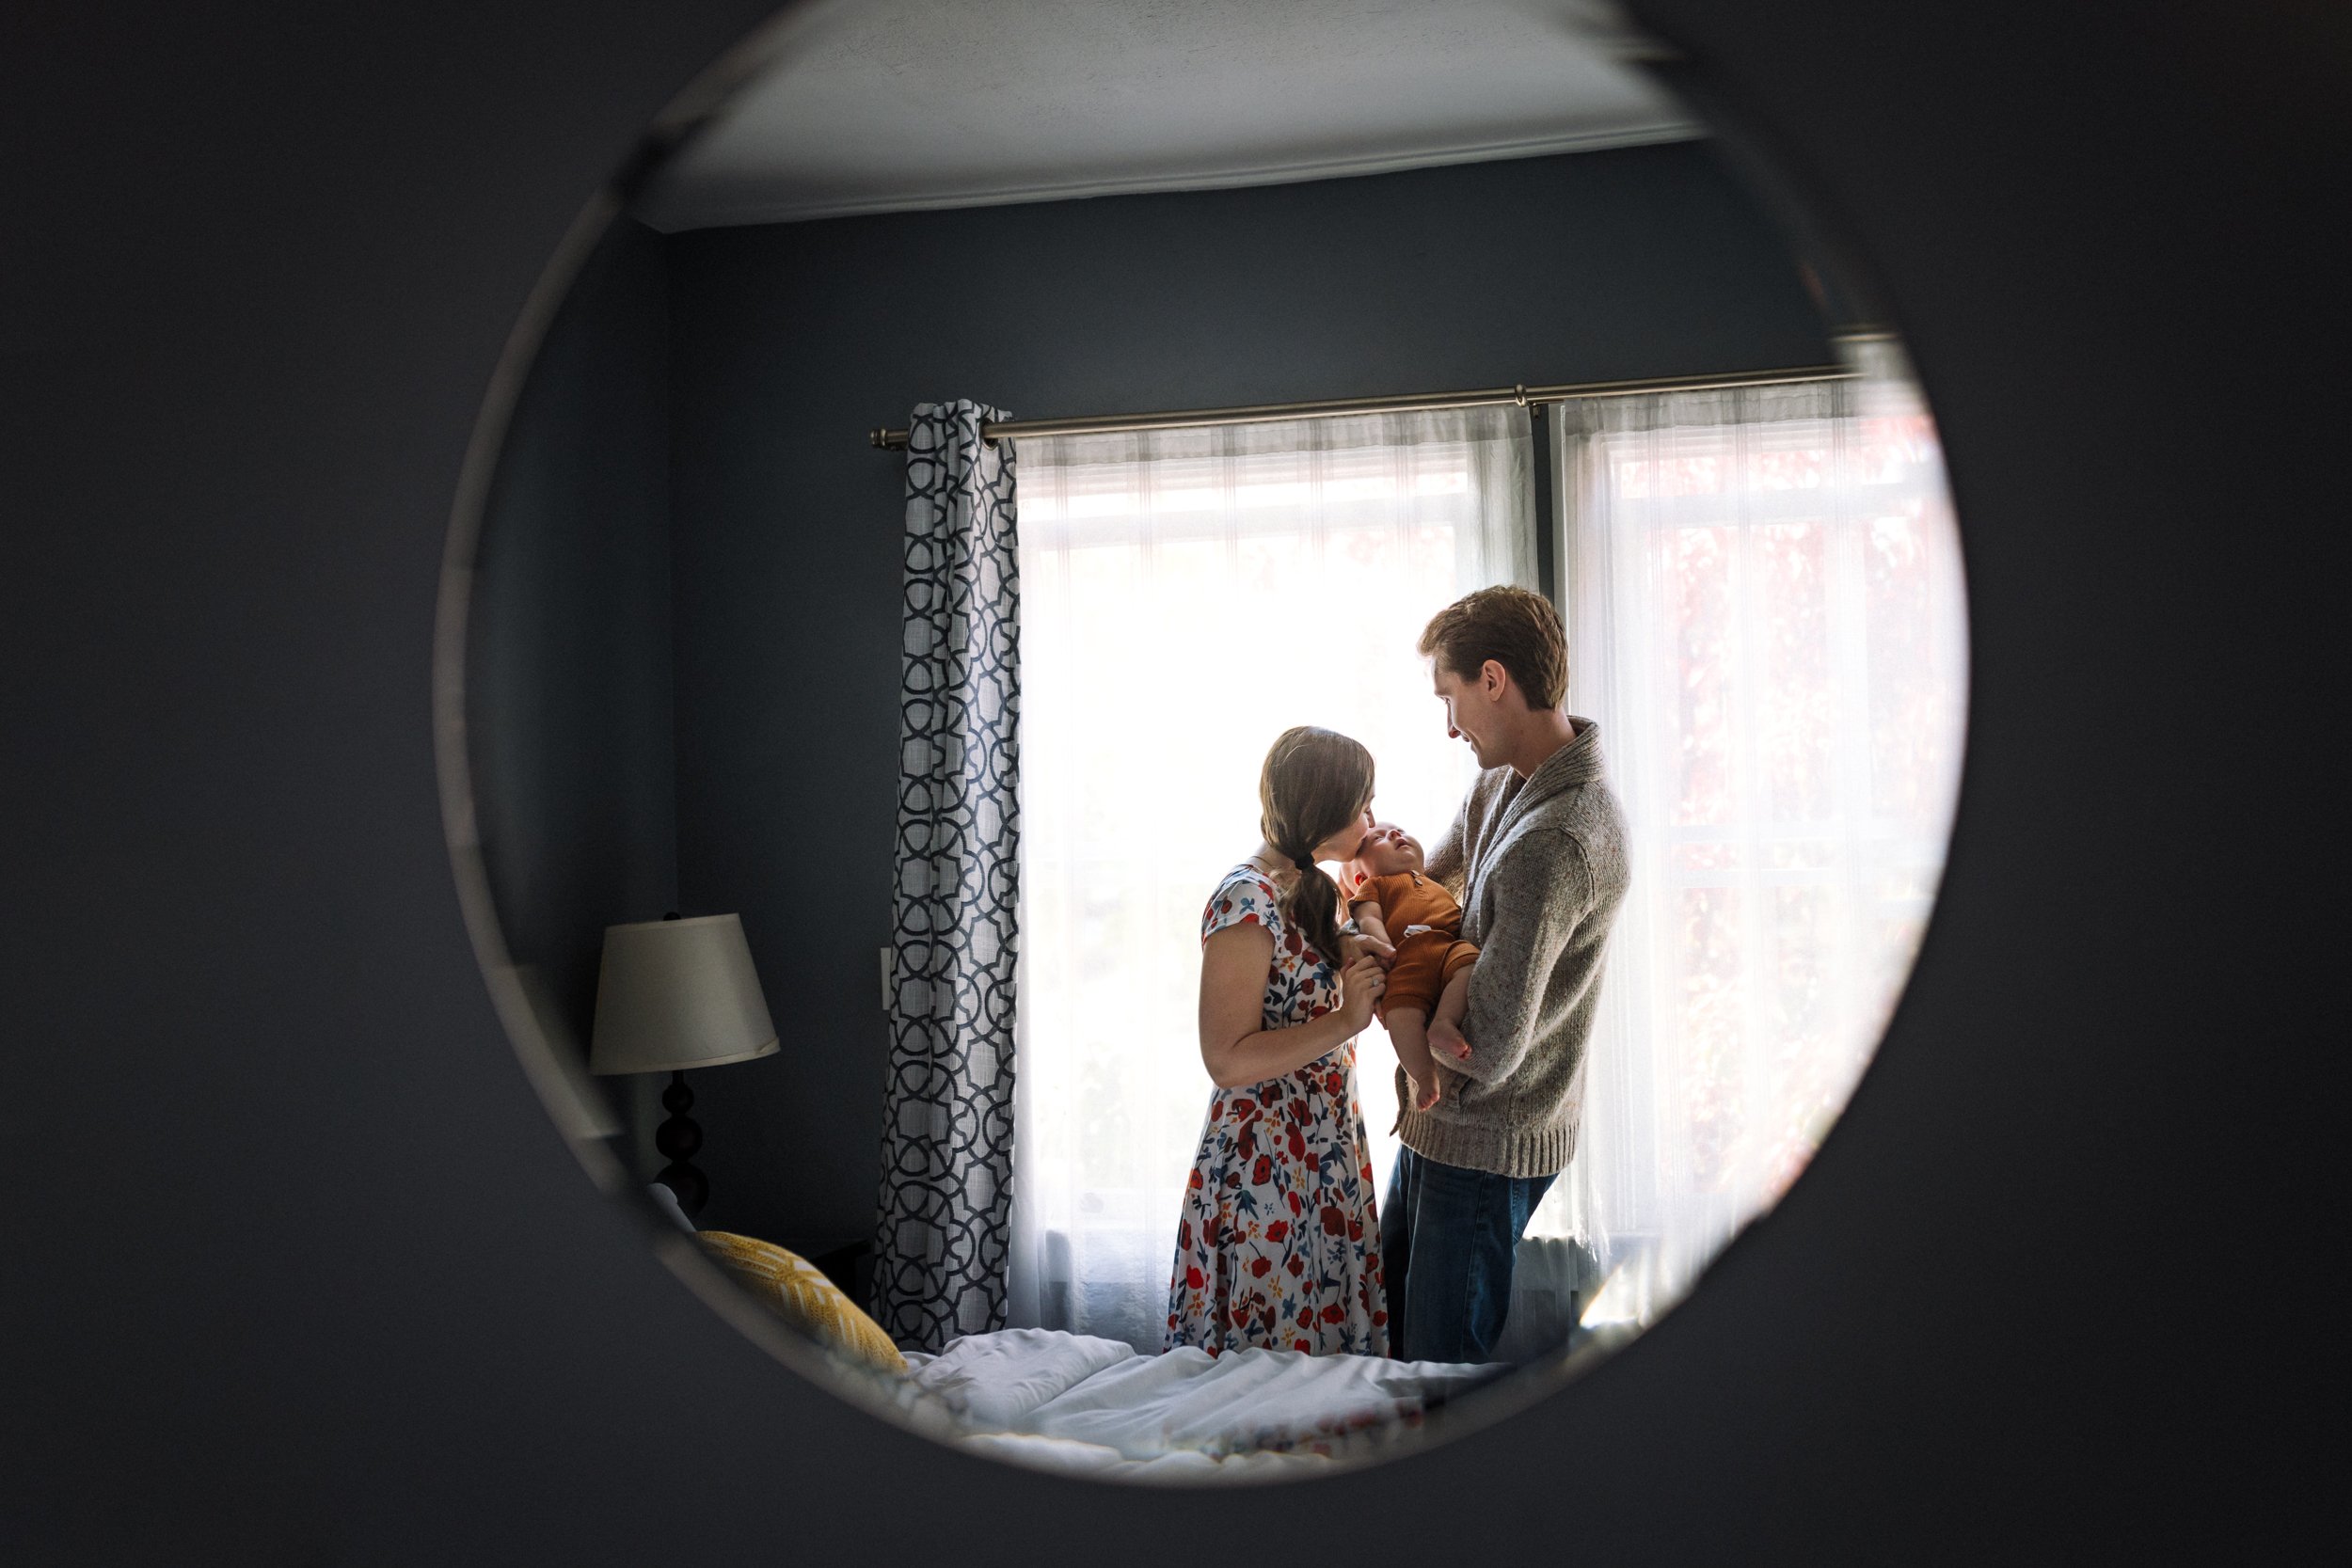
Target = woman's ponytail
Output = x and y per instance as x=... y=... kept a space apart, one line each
x=1314 y=783
x=1312 y=908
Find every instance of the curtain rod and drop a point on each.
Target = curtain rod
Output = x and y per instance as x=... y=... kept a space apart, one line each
x=1266 y=413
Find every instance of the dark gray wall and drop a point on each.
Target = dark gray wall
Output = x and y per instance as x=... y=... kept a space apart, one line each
x=569 y=675
x=297 y=1272
x=791 y=340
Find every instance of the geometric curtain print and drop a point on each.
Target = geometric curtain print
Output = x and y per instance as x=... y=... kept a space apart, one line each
x=946 y=1169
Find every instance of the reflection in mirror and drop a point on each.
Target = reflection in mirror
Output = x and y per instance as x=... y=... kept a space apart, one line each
x=1161 y=1091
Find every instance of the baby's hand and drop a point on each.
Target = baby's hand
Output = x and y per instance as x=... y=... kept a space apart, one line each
x=1445 y=1036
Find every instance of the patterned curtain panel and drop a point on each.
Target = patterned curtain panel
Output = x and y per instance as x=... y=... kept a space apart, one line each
x=947 y=1133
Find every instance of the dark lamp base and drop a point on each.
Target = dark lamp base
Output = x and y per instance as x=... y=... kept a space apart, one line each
x=678 y=1139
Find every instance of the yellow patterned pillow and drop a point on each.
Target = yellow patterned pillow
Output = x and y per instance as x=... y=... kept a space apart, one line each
x=798 y=1291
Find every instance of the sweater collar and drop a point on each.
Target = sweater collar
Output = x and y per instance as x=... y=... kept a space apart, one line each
x=1576 y=763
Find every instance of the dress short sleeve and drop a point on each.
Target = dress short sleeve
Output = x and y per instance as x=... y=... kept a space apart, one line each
x=1243 y=898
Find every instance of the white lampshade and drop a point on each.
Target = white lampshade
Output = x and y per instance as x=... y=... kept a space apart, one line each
x=678 y=994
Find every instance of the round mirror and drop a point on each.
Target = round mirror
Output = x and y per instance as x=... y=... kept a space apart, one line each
x=1207 y=733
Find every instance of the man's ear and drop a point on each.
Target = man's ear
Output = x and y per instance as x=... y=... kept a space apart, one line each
x=1493 y=680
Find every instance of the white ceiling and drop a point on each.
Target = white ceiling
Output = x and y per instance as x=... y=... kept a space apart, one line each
x=885 y=105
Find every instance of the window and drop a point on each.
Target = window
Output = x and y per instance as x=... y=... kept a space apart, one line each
x=1764 y=606
x=1765 y=618
x=1187 y=595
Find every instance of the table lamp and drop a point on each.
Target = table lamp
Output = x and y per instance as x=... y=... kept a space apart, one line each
x=674 y=994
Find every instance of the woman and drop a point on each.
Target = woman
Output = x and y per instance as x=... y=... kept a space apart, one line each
x=1279 y=1244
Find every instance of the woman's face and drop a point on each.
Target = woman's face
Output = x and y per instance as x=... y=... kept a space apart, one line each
x=1343 y=845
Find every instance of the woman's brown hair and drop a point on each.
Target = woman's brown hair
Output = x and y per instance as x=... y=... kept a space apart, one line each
x=1313 y=784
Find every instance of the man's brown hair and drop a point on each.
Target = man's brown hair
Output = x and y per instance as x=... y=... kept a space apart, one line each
x=1517 y=630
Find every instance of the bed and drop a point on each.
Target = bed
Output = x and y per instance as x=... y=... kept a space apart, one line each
x=1083 y=1403
x=1075 y=1402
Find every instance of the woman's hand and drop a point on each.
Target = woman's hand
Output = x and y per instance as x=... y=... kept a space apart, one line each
x=1377 y=947
x=1360 y=985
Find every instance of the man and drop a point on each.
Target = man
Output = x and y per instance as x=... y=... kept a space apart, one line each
x=1536 y=858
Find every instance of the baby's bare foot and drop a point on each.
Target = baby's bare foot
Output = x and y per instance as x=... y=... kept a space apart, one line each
x=1444 y=1036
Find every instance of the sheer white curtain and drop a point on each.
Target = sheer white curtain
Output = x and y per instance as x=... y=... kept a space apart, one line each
x=1764 y=603
x=1187 y=595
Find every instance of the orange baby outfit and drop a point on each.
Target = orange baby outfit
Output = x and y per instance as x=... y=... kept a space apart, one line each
x=1427 y=959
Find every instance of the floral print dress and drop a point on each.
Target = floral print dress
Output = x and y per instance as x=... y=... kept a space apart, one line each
x=1279 y=1244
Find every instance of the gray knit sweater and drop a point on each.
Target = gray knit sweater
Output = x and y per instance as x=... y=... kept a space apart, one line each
x=1539 y=867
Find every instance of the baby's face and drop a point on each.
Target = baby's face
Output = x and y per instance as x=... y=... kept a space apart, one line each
x=1388 y=850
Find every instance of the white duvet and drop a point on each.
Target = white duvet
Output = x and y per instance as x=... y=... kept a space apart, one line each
x=1075 y=1402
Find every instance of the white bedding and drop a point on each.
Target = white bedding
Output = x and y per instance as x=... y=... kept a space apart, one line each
x=1072 y=1401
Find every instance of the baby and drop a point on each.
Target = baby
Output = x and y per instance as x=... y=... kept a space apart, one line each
x=1428 y=988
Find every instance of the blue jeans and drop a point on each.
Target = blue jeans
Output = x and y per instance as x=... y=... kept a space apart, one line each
x=1447 y=1239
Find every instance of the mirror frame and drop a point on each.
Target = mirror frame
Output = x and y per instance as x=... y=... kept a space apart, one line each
x=1792 y=205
